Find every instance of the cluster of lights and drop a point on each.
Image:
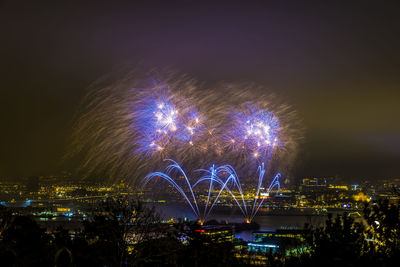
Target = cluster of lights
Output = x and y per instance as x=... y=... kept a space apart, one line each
x=259 y=135
x=259 y=130
x=166 y=117
x=262 y=245
x=255 y=131
x=169 y=122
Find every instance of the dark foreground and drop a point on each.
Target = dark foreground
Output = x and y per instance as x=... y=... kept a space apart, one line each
x=122 y=232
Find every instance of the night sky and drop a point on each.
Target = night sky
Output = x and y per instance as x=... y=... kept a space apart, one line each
x=336 y=62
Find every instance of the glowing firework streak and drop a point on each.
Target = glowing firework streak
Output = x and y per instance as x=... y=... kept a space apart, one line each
x=237 y=186
x=166 y=176
x=213 y=177
x=275 y=182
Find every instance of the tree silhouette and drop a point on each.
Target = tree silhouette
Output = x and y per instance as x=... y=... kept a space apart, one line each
x=383 y=231
x=339 y=242
x=25 y=239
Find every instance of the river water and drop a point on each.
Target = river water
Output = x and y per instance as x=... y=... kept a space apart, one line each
x=267 y=219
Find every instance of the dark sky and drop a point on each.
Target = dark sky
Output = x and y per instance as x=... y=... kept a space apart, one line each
x=336 y=62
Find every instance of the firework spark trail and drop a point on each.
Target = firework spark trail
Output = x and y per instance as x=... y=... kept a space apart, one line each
x=275 y=182
x=212 y=177
x=233 y=176
x=166 y=176
x=261 y=172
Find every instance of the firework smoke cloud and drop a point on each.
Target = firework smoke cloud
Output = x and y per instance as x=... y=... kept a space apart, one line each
x=127 y=128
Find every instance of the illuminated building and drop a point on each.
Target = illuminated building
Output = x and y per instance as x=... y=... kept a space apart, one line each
x=281 y=241
x=217 y=234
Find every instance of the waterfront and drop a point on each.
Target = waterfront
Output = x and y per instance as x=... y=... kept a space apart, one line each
x=267 y=219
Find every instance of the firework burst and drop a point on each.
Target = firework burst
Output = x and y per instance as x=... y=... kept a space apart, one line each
x=127 y=128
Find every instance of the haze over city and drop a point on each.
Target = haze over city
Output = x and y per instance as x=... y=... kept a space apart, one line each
x=336 y=63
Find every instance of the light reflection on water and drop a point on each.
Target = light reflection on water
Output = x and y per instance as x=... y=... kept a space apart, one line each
x=267 y=221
